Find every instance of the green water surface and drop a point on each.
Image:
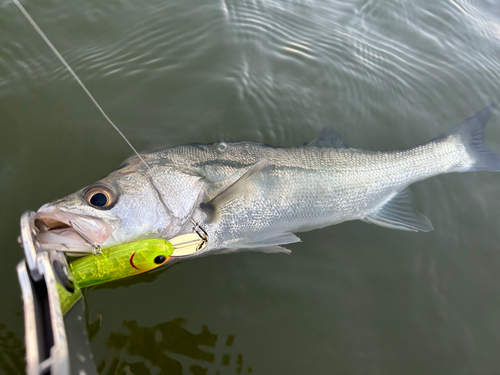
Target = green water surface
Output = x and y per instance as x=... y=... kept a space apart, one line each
x=350 y=299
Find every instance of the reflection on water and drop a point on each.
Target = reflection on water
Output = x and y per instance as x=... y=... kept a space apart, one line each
x=11 y=352
x=172 y=349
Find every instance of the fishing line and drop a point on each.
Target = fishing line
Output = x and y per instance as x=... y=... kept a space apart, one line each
x=66 y=65
x=63 y=61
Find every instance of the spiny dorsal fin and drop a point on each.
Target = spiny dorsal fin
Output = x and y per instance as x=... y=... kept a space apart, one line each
x=398 y=213
x=328 y=138
x=236 y=189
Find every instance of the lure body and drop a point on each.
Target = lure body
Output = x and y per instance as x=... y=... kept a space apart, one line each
x=120 y=261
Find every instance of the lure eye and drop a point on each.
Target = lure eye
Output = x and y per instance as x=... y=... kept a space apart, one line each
x=160 y=259
x=100 y=197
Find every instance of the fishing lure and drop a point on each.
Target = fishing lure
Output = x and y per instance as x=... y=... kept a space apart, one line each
x=120 y=261
x=125 y=260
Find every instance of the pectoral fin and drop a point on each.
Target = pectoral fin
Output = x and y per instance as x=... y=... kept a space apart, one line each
x=398 y=213
x=215 y=206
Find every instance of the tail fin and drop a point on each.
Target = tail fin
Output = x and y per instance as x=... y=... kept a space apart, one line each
x=471 y=132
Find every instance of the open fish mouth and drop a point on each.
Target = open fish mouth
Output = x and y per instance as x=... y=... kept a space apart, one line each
x=70 y=233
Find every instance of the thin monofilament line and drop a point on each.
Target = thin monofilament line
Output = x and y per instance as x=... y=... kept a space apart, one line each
x=63 y=61
x=56 y=52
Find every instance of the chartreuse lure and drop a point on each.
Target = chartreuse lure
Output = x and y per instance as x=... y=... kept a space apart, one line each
x=68 y=299
x=120 y=261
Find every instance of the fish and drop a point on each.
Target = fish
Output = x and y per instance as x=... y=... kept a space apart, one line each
x=253 y=196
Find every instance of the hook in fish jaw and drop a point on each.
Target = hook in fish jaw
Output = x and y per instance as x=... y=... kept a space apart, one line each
x=96 y=248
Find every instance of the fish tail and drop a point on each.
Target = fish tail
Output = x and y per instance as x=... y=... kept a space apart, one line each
x=471 y=133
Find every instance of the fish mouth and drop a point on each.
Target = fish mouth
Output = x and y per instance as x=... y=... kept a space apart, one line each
x=70 y=233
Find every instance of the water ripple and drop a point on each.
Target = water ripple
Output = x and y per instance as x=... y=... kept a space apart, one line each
x=278 y=56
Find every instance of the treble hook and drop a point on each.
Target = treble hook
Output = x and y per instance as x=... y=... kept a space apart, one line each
x=202 y=233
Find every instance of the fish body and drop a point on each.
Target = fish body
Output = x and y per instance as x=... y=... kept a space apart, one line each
x=248 y=195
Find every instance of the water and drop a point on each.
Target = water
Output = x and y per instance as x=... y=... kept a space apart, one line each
x=350 y=299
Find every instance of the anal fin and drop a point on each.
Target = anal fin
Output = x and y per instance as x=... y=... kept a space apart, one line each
x=398 y=213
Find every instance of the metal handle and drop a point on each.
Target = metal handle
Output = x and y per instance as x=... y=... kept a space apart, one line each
x=45 y=337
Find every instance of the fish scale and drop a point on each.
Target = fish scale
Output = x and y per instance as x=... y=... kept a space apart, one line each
x=332 y=193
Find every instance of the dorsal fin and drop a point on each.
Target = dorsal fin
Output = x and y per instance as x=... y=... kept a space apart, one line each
x=328 y=138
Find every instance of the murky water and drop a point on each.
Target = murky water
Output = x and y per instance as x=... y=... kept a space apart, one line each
x=350 y=299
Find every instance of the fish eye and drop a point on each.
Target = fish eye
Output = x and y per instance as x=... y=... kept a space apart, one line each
x=98 y=200
x=100 y=196
x=160 y=259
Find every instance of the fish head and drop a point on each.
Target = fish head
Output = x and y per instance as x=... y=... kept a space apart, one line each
x=125 y=206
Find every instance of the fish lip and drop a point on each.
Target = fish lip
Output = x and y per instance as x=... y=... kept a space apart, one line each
x=69 y=232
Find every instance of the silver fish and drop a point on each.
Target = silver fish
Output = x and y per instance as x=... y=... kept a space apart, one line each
x=247 y=195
